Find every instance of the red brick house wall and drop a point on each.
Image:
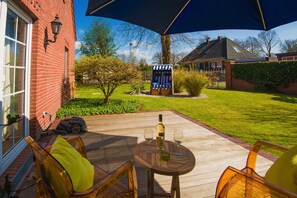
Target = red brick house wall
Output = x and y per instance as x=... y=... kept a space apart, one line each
x=287 y=56
x=48 y=90
x=242 y=85
x=290 y=89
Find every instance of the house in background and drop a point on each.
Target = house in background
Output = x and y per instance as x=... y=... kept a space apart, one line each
x=287 y=56
x=213 y=54
x=35 y=76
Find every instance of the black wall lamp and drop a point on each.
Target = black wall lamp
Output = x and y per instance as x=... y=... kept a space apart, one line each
x=56 y=27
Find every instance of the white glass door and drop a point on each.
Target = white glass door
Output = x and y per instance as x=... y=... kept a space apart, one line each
x=14 y=68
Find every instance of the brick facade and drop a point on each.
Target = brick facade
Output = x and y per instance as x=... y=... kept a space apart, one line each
x=290 y=56
x=48 y=86
x=228 y=73
x=290 y=89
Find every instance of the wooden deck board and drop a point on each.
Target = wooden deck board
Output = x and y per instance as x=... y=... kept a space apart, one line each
x=111 y=139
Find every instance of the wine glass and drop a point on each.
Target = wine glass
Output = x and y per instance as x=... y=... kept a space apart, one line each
x=178 y=137
x=148 y=135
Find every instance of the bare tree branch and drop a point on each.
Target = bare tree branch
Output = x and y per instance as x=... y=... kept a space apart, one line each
x=140 y=35
x=268 y=40
x=289 y=46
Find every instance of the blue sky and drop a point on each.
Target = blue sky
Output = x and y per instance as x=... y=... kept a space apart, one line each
x=288 y=31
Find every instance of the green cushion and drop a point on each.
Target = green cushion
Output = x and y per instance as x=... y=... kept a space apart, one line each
x=80 y=170
x=283 y=172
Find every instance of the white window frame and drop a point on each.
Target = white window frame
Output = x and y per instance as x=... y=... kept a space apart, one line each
x=66 y=65
x=4 y=5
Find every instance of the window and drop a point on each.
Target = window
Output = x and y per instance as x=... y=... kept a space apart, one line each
x=206 y=51
x=213 y=65
x=197 y=66
x=66 y=64
x=236 y=49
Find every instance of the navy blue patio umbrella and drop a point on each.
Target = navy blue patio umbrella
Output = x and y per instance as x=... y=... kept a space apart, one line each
x=180 y=16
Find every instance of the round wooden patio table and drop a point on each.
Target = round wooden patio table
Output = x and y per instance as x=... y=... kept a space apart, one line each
x=149 y=158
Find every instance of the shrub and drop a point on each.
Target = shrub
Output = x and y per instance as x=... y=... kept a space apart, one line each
x=178 y=80
x=108 y=73
x=194 y=82
x=137 y=86
x=94 y=106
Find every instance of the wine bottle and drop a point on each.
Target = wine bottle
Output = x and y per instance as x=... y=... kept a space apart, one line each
x=160 y=136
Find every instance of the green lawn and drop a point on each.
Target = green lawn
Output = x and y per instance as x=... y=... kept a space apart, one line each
x=244 y=115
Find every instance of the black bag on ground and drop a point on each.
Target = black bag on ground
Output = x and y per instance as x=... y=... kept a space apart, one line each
x=72 y=125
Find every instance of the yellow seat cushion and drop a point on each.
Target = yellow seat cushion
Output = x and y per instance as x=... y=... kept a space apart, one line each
x=80 y=170
x=283 y=172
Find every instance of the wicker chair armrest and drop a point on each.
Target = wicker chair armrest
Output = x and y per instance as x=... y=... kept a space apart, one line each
x=252 y=157
x=226 y=176
x=112 y=178
x=247 y=183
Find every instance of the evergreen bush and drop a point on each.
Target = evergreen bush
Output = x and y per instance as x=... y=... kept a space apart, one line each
x=267 y=76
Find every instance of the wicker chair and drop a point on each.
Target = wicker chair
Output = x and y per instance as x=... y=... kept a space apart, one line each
x=105 y=184
x=246 y=182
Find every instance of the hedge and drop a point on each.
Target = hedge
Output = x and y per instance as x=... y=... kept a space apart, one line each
x=267 y=76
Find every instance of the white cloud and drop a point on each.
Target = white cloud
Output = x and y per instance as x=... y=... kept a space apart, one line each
x=122 y=51
x=139 y=53
x=77 y=44
x=143 y=54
